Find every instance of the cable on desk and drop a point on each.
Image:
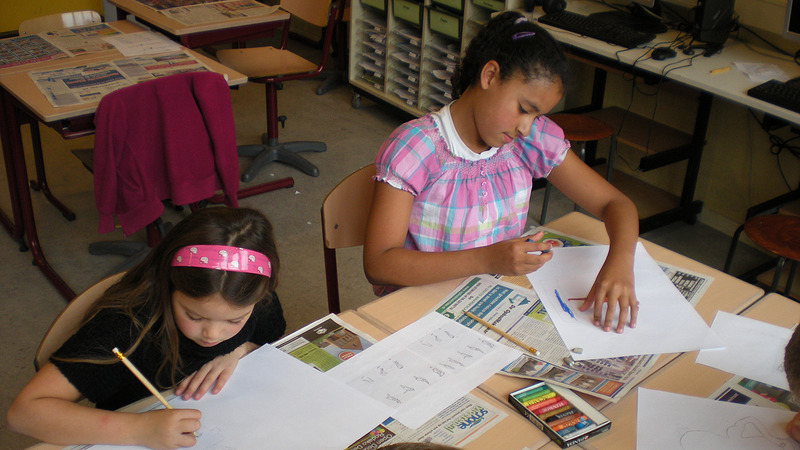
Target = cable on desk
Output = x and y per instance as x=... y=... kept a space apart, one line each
x=784 y=52
x=778 y=145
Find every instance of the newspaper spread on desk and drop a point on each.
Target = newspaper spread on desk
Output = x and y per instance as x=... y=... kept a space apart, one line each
x=195 y=12
x=513 y=306
x=330 y=341
x=751 y=392
x=88 y=83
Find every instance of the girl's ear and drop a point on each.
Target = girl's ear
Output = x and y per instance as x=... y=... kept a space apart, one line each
x=489 y=73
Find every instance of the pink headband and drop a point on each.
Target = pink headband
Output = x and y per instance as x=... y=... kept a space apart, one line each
x=223 y=257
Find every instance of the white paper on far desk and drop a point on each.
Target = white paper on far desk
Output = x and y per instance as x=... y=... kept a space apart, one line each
x=667 y=323
x=142 y=43
x=273 y=400
x=667 y=421
x=753 y=349
x=425 y=367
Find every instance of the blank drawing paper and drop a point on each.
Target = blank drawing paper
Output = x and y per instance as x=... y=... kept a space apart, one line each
x=667 y=323
x=667 y=421
x=273 y=400
x=753 y=349
x=425 y=367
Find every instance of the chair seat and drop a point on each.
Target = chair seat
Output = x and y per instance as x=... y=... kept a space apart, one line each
x=778 y=233
x=578 y=127
x=262 y=62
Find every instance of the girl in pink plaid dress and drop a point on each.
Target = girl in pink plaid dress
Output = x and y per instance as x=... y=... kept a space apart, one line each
x=454 y=186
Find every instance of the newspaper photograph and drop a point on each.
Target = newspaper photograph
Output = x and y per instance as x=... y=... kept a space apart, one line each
x=518 y=312
x=750 y=392
x=461 y=423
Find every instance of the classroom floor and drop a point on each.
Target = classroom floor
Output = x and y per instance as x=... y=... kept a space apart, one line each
x=28 y=303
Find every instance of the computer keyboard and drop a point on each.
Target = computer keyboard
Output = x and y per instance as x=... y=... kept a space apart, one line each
x=779 y=93
x=593 y=27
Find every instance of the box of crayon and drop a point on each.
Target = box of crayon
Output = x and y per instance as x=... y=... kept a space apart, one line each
x=565 y=417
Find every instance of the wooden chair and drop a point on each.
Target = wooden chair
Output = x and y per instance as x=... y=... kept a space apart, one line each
x=69 y=319
x=580 y=129
x=272 y=66
x=34 y=26
x=776 y=233
x=344 y=223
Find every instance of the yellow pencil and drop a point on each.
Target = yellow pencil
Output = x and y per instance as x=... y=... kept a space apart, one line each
x=141 y=378
x=144 y=380
x=501 y=332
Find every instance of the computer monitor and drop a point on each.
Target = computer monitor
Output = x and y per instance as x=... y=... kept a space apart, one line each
x=791 y=24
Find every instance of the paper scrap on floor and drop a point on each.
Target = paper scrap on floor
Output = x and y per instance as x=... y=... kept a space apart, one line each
x=667 y=323
x=667 y=421
x=753 y=349
x=421 y=369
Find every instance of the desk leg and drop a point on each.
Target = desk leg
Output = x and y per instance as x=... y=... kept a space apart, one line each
x=15 y=227
x=17 y=157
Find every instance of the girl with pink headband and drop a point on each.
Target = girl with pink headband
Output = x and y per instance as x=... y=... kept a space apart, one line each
x=201 y=300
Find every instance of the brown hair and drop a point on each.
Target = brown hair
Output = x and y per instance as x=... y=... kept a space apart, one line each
x=791 y=362
x=146 y=289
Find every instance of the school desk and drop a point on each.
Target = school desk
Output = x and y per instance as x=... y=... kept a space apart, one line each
x=512 y=432
x=193 y=36
x=684 y=376
x=22 y=102
x=725 y=293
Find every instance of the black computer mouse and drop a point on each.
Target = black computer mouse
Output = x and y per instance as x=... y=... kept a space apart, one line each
x=662 y=53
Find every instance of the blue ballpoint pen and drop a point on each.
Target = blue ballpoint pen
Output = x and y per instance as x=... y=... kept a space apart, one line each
x=564 y=305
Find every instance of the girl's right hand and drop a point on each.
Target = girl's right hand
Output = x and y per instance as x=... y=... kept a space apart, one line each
x=519 y=256
x=168 y=428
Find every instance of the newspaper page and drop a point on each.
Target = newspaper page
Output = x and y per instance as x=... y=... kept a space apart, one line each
x=459 y=424
x=326 y=343
x=27 y=49
x=692 y=285
x=82 y=40
x=90 y=82
x=750 y=392
x=330 y=341
x=518 y=312
x=218 y=12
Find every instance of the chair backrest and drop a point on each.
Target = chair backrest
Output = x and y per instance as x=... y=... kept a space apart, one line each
x=314 y=12
x=344 y=222
x=59 y=21
x=69 y=319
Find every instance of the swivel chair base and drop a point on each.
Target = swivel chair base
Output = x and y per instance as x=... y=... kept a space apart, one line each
x=286 y=153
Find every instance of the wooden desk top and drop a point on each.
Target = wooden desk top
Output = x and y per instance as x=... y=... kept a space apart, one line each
x=684 y=376
x=19 y=84
x=725 y=293
x=177 y=28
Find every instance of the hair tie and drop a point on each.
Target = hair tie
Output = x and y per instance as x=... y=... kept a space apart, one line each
x=522 y=35
x=223 y=257
x=520 y=20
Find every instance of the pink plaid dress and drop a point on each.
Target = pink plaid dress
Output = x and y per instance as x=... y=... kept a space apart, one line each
x=460 y=204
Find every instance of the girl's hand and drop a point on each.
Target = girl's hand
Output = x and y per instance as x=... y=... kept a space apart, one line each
x=168 y=428
x=613 y=287
x=518 y=256
x=214 y=373
x=793 y=427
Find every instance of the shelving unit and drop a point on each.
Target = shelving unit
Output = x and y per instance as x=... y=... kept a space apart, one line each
x=404 y=52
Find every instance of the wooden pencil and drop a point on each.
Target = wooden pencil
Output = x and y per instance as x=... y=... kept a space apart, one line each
x=501 y=333
x=141 y=378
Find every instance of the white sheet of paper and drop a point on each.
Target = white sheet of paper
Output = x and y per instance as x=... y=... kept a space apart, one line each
x=142 y=43
x=274 y=400
x=425 y=367
x=666 y=323
x=753 y=349
x=667 y=421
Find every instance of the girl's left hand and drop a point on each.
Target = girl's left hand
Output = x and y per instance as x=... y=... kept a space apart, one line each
x=213 y=375
x=613 y=287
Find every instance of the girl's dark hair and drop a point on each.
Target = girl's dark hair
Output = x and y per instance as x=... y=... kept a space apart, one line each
x=518 y=46
x=146 y=290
